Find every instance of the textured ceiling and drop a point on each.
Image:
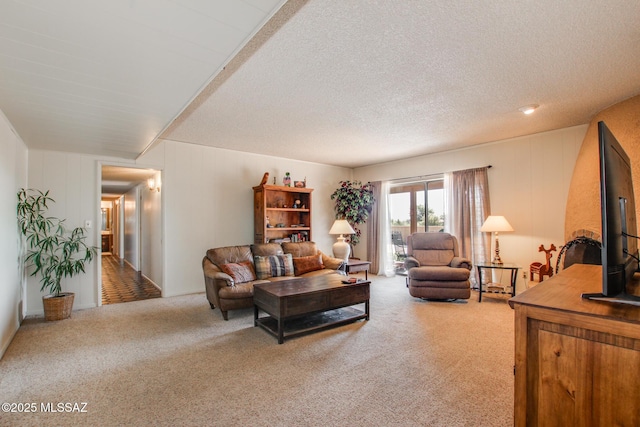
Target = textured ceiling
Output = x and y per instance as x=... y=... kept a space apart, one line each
x=340 y=82
x=353 y=83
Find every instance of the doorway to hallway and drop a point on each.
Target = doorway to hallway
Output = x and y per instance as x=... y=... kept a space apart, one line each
x=131 y=209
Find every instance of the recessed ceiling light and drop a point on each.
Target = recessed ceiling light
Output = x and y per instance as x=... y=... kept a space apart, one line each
x=528 y=109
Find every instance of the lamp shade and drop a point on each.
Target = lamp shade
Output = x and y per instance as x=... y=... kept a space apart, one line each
x=341 y=226
x=496 y=223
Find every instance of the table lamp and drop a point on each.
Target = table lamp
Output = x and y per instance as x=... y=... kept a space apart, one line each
x=341 y=248
x=495 y=224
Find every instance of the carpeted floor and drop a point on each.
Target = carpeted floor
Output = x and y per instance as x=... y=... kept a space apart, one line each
x=174 y=361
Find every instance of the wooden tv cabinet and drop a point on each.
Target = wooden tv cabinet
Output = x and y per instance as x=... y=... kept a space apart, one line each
x=577 y=361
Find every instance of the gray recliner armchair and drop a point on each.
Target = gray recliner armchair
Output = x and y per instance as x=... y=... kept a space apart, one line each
x=434 y=268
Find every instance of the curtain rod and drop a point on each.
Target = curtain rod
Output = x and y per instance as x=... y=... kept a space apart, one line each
x=420 y=177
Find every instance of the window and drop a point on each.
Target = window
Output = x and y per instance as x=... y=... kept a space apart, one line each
x=417 y=206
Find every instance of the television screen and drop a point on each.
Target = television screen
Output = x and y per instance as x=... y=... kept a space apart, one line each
x=619 y=230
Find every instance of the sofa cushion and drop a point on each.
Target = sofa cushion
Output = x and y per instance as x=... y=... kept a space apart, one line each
x=433 y=257
x=242 y=290
x=240 y=272
x=316 y=273
x=299 y=249
x=227 y=254
x=273 y=266
x=306 y=264
x=331 y=262
x=432 y=248
x=266 y=249
x=446 y=274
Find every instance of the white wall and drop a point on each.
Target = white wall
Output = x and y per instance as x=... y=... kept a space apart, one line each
x=118 y=227
x=131 y=228
x=72 y=182
x=151 y=254
x=13 y=176
x=208 y=202
x=528 y=183
x=207 y=199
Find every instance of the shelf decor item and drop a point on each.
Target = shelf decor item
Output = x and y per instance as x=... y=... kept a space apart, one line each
x=353 y=202
x=52 y=251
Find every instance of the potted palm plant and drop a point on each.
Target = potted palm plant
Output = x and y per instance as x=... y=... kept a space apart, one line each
x=52 y=251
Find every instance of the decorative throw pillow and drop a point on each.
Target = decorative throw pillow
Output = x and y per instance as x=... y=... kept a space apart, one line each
x=273 y=266
x=240 y=272
x=306 y=264
x=331 y=262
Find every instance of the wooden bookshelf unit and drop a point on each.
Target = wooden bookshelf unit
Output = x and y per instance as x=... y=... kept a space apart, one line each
x=287 y=219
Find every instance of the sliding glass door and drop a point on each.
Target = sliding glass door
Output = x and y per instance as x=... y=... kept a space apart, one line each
x=417 y=206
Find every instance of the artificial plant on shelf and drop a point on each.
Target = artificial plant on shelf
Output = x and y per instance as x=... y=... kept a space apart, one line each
x=52 y=251
x=353 y=202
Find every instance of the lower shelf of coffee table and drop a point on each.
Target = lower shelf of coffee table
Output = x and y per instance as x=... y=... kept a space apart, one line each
x=312 y=322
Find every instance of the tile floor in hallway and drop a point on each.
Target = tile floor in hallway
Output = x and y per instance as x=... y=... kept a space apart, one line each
x=121 y=283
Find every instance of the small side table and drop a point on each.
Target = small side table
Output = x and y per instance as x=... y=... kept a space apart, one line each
x=495 y=287
x=354 y=265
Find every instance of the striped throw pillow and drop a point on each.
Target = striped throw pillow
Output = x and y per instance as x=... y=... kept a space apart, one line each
x=273 y=266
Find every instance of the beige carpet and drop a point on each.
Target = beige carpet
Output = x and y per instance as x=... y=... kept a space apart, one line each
x=174 y=361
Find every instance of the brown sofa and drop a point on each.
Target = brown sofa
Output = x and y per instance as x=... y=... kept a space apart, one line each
x=230 y=272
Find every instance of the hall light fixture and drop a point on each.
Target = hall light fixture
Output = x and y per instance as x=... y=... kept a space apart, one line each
x=528 y=109
x=153 y=186
x=495 y=224
x=341 y=248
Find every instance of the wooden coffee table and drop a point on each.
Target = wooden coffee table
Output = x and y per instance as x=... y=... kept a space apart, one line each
x=304 y=305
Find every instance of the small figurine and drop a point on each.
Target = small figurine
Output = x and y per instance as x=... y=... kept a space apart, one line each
x=296 y=204
x=540 y=269
x=286 y=181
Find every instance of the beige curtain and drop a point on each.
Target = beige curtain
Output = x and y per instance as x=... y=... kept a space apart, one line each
x=379 y=250
x=466 y=207
x=373 y=236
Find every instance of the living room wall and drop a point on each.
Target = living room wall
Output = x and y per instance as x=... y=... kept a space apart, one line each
x=583 y=203
x=13 y=176
x=528 y=183
x=207 y=201
x=72 y=180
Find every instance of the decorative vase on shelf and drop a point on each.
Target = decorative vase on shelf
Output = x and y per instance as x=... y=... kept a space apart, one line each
x=286 y=181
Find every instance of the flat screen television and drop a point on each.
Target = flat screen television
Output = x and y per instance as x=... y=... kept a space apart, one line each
x=619 y=230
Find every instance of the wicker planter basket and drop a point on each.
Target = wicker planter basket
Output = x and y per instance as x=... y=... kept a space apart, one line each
x=58 y=307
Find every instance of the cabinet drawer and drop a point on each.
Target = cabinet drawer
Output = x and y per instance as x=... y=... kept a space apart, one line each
x=306 y=303
x=349 y=296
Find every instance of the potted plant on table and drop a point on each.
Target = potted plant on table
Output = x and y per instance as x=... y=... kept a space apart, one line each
x=52 y=251
x=354 y=202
